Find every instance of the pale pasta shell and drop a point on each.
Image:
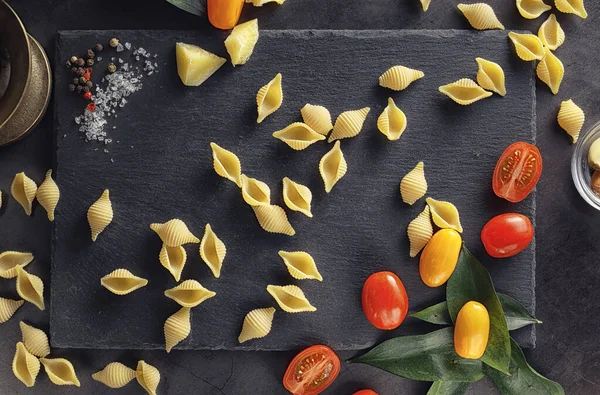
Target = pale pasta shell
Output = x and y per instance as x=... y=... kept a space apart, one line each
x=349 y=124
x=490 y=76
x=413 y=185
x=25 y=366
x=273 y=219
x=255 y=192
x=425 y=4
x=148 y=377
x=399 y=78
x=298 y=136
x=48 y=195
x=122 y=282
x=240 y=43
x=212 y=251
x=30 y=288
x=23 y=189
x=174 y=233
x=9 y=260
x=551 y=71
x=226 y=164
x=531 y=9
x=189 y=293
x=290 y=298
x=419 y=232
x=444 y=214
x=260 y=3
x=481 y=16
x=8 y=308
x=115 y=375
x=269 y=98
x=571 y=118
x=528 y=46
x=35 y=340
x=257 y=324
x=571 y=7
x=177 y=328
x=464 y=91
x=318 y=118
x=297 y=197
x=60 y=371
x=100 y=214
x=551 y=33
x=392 y=121
x=333 y=167
x=173 y=259
x=301 y=265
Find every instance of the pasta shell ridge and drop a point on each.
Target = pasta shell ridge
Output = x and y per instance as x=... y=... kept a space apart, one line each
x=481 y=16
x=490 y=76
x=8 y=308
x=551 y=33
x=255 y=192
x=301 y=265
x=419 y=232
x=60 y=371
x=226 y=164
x=115 y=375
x=551 y=71
x=9 y=260
x=571 y=7
x=290 y=298
x=48 y=195
x=571 y=118
x=349 y=124
x=298 y=136
x=444 y=214
x=333 y=167
x=174 y=233
x=100 y=214
x=257 y=324
x=25 y=366
x=269 y=98
x=413 y=185
x=23 y=190
x=148 y=377
x=532 y=9
x=318 y=118
x=399 y=77
x=212 y=251
x=528 y=46
x=425 y=4
x=392 y=121
x=173 y=259
x=177 y=328
x=30 y=288
x=122 y=282
x=297 y=197
x=35 y=340
x=189 y=293
x=464 y=91
x=273 y=219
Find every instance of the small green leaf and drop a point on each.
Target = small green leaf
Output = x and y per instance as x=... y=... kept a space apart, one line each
x=429 y=357
x=448 y=388
x=196 y=7
x=523 y=378
x=471 y=281
x=436 y=314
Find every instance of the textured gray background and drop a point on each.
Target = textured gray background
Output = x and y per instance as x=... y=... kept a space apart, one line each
x=567 y=275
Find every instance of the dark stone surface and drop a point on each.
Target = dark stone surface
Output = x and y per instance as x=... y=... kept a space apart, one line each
x=568 y=347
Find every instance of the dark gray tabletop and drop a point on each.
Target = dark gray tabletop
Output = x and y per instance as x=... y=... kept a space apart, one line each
x=568 y=346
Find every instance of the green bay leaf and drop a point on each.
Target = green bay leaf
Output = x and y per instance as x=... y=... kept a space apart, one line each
x=436 y=314
x=196 y=7
x=448 y=388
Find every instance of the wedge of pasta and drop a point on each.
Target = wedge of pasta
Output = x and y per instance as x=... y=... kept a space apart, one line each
x=240 y=43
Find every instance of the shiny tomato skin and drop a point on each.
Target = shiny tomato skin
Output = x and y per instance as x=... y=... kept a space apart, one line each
x=365 y=392
x=384 y=300
x=506 y=235
x=517 y=171
x=315 y=364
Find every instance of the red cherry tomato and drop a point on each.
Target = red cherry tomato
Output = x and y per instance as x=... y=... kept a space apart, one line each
x=365 y=392
x=312 y=371
x=506 y=235
x=384 y=300
x=517 y=171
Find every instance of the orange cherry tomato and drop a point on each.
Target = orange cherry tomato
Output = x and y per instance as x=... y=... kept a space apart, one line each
x=384 y=300
x=366 y=392
x=224 y=14
x=506 y=235
x=517 y=171
x=312 y=371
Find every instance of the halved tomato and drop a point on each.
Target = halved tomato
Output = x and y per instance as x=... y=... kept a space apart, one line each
x=517 y=171
x=312 y=371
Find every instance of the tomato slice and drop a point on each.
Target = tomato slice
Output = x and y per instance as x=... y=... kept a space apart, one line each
x=517 y=171
x=312 y=371
x=506 y=235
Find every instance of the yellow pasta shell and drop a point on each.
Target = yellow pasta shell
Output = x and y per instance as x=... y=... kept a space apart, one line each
x=571 y=118
x=298 y=136
x=226 y=164
x=551 y=71
x=48 y=195
x=301 y=265
x=297 y=197
x=173 y=259
x=318 y=118
x=490 y=76
x=425 y=4
x=290 y=298
x=30 y=288
x=531 y=9
x=174 y=233
x=349 y=124
x=257 y=324
x=551 y=33
x=122 y=282
x=25 y=366
x=481 y=16
x=399 y=77
x=255 y=192
x=269 y=98
x=23 y=189
x=148 y=377
x=9 y=260
x=115 y=375
x=444 y=214
x=100 y=215
x=273 y=219
x=413 y=185
x=35 y=340
x=60 y=371
x=571 y=7
x=260 y=3
x=392 y=121
x=528 y=46
x=177 y=328
x=240 y=43
x=333 y=167
x=8 y=308
x=419 y=232
x=212 y=251
x=464 y=91
x=189 y=293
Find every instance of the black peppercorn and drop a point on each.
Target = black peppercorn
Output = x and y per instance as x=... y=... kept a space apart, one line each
x=89 y=84
x=74 y=70
x=86 y=89
x=80 y=71
x=114 y=42
x=73 y=59
x=76 y=81
x=90 y=62
x=68 y=63
x=72 y=87
x=80 y=62
x=99 y=47
x=90 y=54
x=79 y=88
x=82 y=80
x=112 y=68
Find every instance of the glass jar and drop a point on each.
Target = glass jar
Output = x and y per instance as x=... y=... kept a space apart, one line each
x=580 y=168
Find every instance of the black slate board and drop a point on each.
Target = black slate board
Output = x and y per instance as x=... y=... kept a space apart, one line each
x=163 y=169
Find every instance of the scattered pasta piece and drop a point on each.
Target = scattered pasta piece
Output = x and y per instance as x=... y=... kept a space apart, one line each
x=333 y=167
x=464 y=91
x=257 y=324
x=115 y=375
x=551 y=33
x=212 y=251
x=100 y=215
x=25 y=366
x=571 y=118
x=60 y=371
x=240 y=43
x=301 y=265
x=317 y=118
x=290 y=298
x=419 y=232
x=9 y=260
x=298 y=136
x=226 y=164
x=195 y=65
x=481 y=16
x=148 y=377
x=551 y=71
x=8 y=308
x=444 y=214
x=269 y=98
x=122 y=282
x=23 y=189
x=260 y=3
x=189 y=293
x=255 y=192
x=173 y=259
x=532 y=9
x=425 y=4
x=297 y=197
x=491 y=76
x=571 y=7
x=528 y=46
x=392 y=121
x=35 y=340
x=413 y=185
x=48 y=195
x=273 y=219
x=398 y=78
x=174 y=233
x=30 y=288
x=177 y=328
x=349 y=124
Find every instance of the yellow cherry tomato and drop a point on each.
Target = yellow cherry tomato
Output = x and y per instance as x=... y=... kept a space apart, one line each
x=472 y=330
x=439 y=257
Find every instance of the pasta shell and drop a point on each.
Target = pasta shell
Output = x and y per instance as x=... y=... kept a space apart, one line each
x=425 y=4
x=551 y=71
x=398 y=78
x=297 y=197
x=349 y=124
x=444 y=214
x=60 y=371
x=35 y=340
x=115 y=375
x=240 y=43
x=30 y=288
x=528 y=46
x=257 y=324
x=273 y=219
x=269 y=98
x=571 y=7
x=23 y=189
x=226 y=164
x=414 y=185
x=464 y=91
x=531 y=9
x=255 y=192
x=212 y=251
x=551 y=33
x=148 y=377
x=260 y=3
x=419 y=232
x=333 y=167
x=392 y=121
x=100 y=214
x=571 y=118
x=25 y=366
x=8 y=308
x=9 y=260
x=174 y=233
x=290 y=298
x=48 y=195
x=298 y=136
x=189 y=293
x=491 y=76
x=177 y=328
x=317 y=118
x=301 y=265
x=173 y=259
x=481 y=16
x=122 y=282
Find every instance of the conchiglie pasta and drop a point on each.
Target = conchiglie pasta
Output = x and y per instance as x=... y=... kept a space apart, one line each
x=25 y=366
x=8 y=308
x=297 y=197
x=528 y=46
x=392 y=121
x=444 y=214
x=115 y=375
x=290 y=298
x=255 y=192
x=551 y=33
x=318 y=118
x=490 y=76
x=464 y=91
x=212 y=251
x=571 y=7
x=9 y=260
x=551 y=71
x=48 y=195
x=301 y=265
x=122 y=282
x=349 y=124
x=531 y=9
x=35 y=340
x=100 y=215
x=481 y=16
x=269 y=98
x=226 y=164
x=257 y=324
x=413 y=185
x=173 y=259
x=398 y=78
x=298 y=136
x=419 y=232
x=333 y=167
x=148 y=377
x=177 y=328
x=273 y=219
x=174 y=233
x=30 y=288
x=571 y=118
x=425 y=4
x=23 y=190
x=189 y=293
x=60 y=371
